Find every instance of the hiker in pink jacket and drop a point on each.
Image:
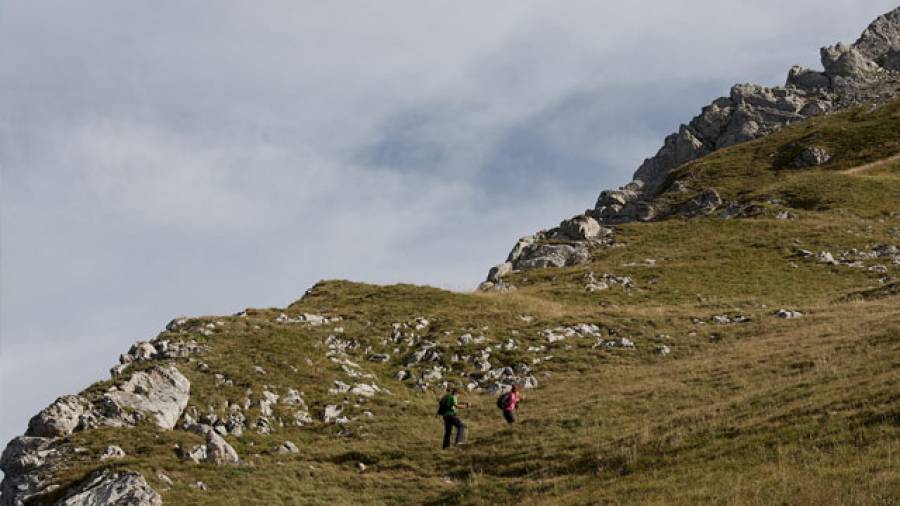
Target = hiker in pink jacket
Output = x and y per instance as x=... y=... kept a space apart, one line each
x=509 y=402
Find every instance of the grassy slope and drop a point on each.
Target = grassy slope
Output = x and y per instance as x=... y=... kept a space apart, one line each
x=791 y=412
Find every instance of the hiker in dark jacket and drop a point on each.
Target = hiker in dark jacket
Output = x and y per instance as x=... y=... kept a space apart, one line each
x=447 y=409
x=509 y=402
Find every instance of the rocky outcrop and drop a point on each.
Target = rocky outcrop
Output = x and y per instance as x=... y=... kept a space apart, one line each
x=113 y=488
x=868 y=70
x=863 y=71
x=161 y=393
x=28 y=464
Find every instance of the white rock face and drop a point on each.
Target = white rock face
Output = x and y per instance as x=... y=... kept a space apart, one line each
x=27 y=464
x=58 y=419
x=106 y=487
x=161 y=392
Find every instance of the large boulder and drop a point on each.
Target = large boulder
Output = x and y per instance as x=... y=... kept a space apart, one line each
x=498 y=271
x=58 y=419
x=113 y=488
x=812 y=156
x=160 y=392
x=581 y=227
x=553 y=255
x=28 y=464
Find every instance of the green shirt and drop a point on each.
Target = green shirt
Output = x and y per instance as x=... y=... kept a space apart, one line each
x=451 y=405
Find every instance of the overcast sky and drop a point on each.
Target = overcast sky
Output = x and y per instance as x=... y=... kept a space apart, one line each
x=198 y=157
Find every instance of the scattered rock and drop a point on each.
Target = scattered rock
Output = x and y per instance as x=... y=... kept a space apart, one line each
x=605 y=281
x=724 y=319
x=112 y=452
x=364 y=390
x=787 y=314
x=622 y=342
x=287 y=447
x=165 y=479
x=332 y=413
x=218 y=451
x=703 y=204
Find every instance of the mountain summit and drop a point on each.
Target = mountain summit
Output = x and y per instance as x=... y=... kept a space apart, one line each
x=725 y=329
x=868 y=71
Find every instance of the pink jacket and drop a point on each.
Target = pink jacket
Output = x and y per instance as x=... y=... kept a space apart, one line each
x=511 y=401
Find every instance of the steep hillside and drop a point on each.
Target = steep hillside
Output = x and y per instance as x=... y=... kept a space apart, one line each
x=740 y=347
x=684 y=385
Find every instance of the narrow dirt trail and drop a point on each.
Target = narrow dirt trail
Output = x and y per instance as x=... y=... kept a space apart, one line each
x=861 y=169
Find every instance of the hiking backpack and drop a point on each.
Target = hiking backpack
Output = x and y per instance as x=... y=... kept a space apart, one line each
x=444 y=405
x=503 y=400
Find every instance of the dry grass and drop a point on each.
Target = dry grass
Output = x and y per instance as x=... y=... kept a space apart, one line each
x=792 y=412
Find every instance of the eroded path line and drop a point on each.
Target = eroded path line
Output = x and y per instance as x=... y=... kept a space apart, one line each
x=859 y=169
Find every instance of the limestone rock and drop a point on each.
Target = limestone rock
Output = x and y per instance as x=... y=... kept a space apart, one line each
x=787 y=314
x=701 y=205
x=119 y=488
x=218 y=451
x=287 y=447
x=58 y=419
x=160 y=392
x=112 y=452
x=881 y=38
x=28 y=464
x=812 y=156
x=520 y=246
x=499 y=287
x=580 y=227
x=553 y=255
x=802 y=77
x=844 y=60
x=498 y=271
x=331 y=413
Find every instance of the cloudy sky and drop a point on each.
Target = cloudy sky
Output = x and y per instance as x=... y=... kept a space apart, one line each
x=198 y=157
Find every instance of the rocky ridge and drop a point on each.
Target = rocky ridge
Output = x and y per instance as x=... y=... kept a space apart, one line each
x=866 y=71
x=147 y=386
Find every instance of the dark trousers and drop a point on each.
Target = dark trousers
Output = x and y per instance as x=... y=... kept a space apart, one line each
x=451 y=421
x=510 y=415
